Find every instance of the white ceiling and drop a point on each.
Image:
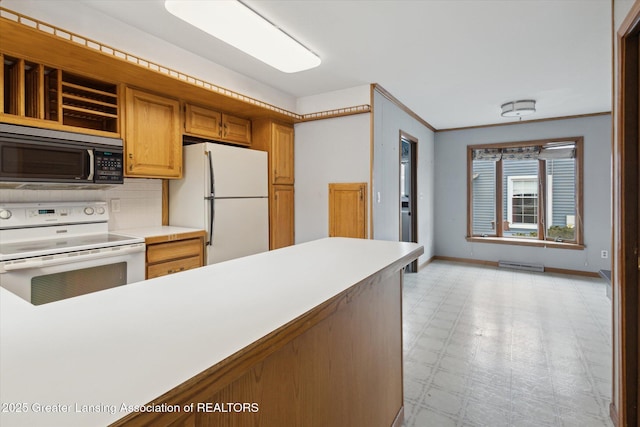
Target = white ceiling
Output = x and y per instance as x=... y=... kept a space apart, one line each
x=453 y=62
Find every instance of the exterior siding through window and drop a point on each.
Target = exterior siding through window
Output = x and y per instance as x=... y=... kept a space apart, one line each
x=563 y=190
x=484 y=202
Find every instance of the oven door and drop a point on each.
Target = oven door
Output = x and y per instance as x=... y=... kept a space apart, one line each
x=45 y=162
x=46 y=279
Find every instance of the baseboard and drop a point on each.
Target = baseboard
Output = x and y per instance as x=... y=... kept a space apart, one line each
x=495 y=264
x=613 y=414
x=467 y=260
x=427 y=262
x=572 y=272
x=399 y=418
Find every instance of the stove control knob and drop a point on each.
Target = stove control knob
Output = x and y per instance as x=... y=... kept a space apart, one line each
x=100 y=210
x=5 y=214
x=88 y=211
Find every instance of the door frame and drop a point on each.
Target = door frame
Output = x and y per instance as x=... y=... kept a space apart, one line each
x=413 y=200
x=626 y=237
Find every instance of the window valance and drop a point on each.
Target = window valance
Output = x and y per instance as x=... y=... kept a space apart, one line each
x=547 y=152
x=520 y=153
x=490 y=154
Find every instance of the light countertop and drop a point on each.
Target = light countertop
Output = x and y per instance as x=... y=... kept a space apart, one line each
x=96 y=354
x=157 y=231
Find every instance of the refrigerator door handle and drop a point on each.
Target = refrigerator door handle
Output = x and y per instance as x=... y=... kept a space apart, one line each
x=212 y=221
x=212 y=178
x=211 y=199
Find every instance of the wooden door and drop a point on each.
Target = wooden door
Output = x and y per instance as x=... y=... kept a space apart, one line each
x=281 y=215
x=153 y=143
x=282 y=154
x=348 y=210
x=626 y=232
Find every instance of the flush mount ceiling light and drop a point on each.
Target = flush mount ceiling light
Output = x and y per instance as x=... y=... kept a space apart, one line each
x=236 y=24
x=518 y=108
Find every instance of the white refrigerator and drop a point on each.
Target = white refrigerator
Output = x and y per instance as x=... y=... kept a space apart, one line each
x=223 y=191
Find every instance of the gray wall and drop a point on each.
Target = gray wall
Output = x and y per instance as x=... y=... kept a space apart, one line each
x=451 y=191
x=388 y=121
x=326 y=151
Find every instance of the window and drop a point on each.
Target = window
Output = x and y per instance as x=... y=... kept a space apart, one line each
x=522 y=201
x=526 y=192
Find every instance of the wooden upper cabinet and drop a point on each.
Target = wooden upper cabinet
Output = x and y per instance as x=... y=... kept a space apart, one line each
x=235 y=129
x=207 y=123
x=277 y=140
x=202 y=121
x=282 y=154
x=33 y=94
x=153 y=138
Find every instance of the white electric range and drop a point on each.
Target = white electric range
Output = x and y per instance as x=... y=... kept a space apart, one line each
x=54 y=251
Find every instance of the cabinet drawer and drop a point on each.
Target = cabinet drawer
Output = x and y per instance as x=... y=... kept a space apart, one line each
x=174 y=266
x=172 y=250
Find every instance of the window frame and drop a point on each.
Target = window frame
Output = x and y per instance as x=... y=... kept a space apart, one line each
x=510 y=196
x=544 y=205
x=549 y=196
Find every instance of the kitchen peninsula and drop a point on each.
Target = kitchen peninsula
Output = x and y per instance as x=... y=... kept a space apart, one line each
x=305 y=335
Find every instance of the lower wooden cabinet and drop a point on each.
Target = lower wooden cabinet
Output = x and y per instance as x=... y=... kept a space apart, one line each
x=172 y=254
x=281 y=216
x=348 y=210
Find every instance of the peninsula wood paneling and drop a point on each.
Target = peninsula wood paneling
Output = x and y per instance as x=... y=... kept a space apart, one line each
x=338 y=365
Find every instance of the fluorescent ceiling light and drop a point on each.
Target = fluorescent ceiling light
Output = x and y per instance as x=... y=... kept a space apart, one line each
x=236 y=24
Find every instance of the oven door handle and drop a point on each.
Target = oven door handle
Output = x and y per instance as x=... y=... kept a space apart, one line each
x=88 y=256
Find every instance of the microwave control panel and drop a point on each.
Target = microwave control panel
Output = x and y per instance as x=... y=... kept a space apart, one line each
x=108 y=166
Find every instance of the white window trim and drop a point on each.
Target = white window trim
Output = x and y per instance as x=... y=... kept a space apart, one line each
x=549 y=216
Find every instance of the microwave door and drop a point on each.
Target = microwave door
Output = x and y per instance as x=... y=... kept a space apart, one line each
x=45 y=163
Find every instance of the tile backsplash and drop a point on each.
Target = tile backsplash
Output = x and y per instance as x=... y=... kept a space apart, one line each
x=140 y=201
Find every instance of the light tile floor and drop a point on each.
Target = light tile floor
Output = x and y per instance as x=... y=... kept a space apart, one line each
x=494 y=347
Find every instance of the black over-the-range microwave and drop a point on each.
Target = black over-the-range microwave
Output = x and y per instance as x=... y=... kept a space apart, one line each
x=38 y=155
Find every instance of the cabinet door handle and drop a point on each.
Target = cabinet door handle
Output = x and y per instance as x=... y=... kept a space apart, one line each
x=225 y=130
